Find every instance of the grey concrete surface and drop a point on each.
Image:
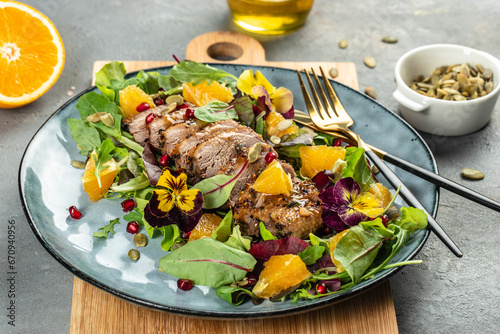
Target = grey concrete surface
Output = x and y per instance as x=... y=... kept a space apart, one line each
x=444 y=294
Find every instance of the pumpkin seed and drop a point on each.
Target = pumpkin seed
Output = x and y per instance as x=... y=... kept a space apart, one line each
x=78 y=164
x=334 y=72
x=108 y=120
x=140 y=240
x=134 y=254
x=389 y=39
x=284 y=125
x=170 y=107
x=370 y=62
x=472 y=174
x=457 y=82
x=343 y=44
x=174 y=99
x=96 y=117
x=275 y=140
x=254 y=152
x=371 y=92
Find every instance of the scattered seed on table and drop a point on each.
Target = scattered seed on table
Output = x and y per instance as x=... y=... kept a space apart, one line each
x=389 y=39
x=472 y=174
x=343 y=44
x=370 y=62
x=334 y=72
x=371 y=92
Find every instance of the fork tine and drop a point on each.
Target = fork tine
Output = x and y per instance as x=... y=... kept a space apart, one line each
x=339 y=108
x=313 y=112
x=329 y=110
x=321 y=109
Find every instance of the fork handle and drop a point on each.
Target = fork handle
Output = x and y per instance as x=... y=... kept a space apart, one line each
x=442 y=182
x=409 y=198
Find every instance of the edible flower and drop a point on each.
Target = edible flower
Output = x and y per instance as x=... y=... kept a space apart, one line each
x=173 y=203
x=268 y=97
x=345 y=204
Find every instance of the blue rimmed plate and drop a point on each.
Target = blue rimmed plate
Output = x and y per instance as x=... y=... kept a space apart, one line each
x=49 y=185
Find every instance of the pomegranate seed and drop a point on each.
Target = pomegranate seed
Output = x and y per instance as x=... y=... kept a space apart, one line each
x=74 y=212
x=163 y=160
x=189 y=113
x=133 y=227
x=143 y=107
x=321 y=288
x=182 y=106
x=251 y=281
x=158 y=101
x=270 y=157
x=184 y=284
x=385 y=219
x=128 y=205
x=337 y=142
x=185 y=235
x=150 y=118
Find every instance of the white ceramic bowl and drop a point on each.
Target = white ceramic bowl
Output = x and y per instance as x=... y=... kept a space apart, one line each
x=436 y=116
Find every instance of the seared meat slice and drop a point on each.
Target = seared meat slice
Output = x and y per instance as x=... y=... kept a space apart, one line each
x=137 y=124
x=251 y=171
x=210 y=156
x=158 y=126
x=296 y=215
x=180 y=152
x=178 y=132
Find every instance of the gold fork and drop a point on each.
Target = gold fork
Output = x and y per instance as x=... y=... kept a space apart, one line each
x=337 y=119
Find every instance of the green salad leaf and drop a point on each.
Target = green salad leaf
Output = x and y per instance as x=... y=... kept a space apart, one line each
x=215 y=111
x=223 y=231
x=358 y=168
x=191 y=71
x=87 y=138
x=411 y=219
x=265 y=234
x=208 y=262
x=234 y=295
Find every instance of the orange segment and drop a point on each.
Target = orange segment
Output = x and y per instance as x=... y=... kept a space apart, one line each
x=273 y=180
x=273 y=119
x=382 y=193
x=203 y=94
x=332 y=244
x=206 y=226
x=90 y=183
x=280 y=273
x=319 y=158
x=31 y=54
x=131 y=97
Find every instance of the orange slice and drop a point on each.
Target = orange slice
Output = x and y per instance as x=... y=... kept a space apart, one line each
x=382 y=193
x=319 y=158
x=89 y=180
x=131 y=97
x=332 y=244
x=280 y=273
x=273 y=180
x=31 y=54
x=203 y=94
x=206 y=226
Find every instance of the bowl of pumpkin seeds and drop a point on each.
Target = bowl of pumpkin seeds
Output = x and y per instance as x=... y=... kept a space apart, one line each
x=447 y=90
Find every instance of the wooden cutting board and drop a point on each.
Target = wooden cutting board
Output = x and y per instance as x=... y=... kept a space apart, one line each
x=96 y=311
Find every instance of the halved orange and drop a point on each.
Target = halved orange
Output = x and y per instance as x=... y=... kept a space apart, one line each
x=319 y=158
x=274 y=180
x=90 y=182
x=202 y=94
x=31 y=54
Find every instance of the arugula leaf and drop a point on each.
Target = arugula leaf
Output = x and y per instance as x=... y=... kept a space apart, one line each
x=134 y=215
x=223 y=231
x=215 y=111
x=101 y=157
x=208 y=262
x=85 y=136
x=217 y=189
x=237 y=241
x=357 y=250
x=134 y=184
x=358 y=169
x=191 y=71
x=311 y=254
x=234 y=295
x=265 y=234
x=411 y=219
x=107 y=229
